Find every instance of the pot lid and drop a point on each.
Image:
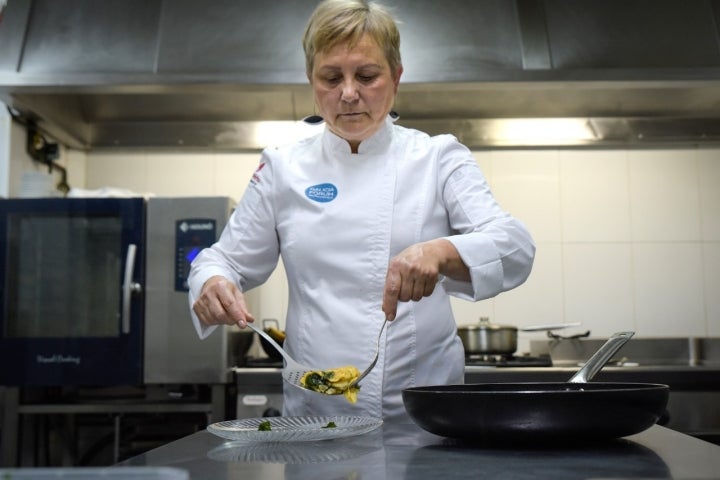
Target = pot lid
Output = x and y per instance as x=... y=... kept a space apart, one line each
x=484 y=324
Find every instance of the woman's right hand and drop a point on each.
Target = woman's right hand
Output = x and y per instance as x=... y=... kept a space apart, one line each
x=222 y=302
x=413 y=273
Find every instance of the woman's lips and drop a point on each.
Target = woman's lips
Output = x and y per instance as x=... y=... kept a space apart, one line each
x=351 y=114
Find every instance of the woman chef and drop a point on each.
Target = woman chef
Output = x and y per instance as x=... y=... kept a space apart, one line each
x=372 y=220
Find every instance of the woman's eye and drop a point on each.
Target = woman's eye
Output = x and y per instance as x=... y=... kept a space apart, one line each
x=334 y=80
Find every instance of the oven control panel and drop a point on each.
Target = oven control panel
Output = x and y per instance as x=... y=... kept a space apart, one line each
x=191 y=236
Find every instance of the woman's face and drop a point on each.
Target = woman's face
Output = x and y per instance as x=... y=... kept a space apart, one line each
x=354 y=89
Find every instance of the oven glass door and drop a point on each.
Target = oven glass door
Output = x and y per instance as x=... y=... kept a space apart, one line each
x=67 y=291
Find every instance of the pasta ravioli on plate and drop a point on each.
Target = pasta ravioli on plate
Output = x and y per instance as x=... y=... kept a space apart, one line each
x=334 y=381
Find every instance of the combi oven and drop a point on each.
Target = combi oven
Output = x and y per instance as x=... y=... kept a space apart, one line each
x=93 y=291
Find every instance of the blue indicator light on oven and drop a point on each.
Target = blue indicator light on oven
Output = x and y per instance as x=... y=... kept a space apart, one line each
x=192 y=254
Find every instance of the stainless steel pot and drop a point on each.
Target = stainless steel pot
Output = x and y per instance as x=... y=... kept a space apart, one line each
x=486 y=338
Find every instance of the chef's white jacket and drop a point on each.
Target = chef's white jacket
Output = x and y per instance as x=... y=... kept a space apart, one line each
x=337 y=218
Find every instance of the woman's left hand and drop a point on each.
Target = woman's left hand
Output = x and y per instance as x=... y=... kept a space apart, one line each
x=413 y=273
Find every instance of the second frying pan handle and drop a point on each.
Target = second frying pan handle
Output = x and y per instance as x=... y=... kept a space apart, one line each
x=601 y=357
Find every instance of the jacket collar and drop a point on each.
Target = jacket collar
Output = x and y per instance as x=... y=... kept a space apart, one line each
x=377 y=143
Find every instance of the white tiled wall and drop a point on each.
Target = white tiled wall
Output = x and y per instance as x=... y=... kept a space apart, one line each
x=627 y=239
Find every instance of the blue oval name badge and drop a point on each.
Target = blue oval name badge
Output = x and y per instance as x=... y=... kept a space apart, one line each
x=323 y=193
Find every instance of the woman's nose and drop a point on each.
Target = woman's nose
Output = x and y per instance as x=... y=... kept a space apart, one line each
x=349 y=91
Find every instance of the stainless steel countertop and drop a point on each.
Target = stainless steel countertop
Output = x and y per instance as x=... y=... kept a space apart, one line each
x=685 y=378
x=678 y=377
x=397 y=451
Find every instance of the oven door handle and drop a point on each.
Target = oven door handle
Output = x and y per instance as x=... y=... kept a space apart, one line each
x=129 y=287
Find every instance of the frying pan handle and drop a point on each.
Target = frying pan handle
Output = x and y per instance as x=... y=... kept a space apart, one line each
x=601 y=357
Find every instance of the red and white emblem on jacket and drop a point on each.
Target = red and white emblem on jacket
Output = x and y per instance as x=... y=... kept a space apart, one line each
x=255 y=177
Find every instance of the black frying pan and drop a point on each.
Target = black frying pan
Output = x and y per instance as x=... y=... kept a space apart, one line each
x=555 y=412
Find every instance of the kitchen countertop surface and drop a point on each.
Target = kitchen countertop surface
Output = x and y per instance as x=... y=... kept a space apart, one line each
x=404 y=451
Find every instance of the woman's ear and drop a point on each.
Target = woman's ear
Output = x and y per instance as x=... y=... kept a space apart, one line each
x=398 y=74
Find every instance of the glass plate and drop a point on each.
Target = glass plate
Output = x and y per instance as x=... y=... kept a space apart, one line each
x=294 y=429
x=288 y=453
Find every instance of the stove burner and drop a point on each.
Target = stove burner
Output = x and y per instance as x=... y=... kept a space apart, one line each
x=478 y=360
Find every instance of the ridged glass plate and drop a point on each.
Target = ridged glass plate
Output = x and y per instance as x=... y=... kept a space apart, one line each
x=287 y=453
x=294 y=429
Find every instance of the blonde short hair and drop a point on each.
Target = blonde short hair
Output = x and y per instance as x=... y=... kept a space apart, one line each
x=345 y=21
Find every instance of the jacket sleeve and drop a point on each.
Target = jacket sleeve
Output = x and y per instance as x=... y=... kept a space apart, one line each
x=496 y=247
x=248 y=249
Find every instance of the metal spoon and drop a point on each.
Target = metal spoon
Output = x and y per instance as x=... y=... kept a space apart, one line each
x=374 y=360
x=601 y=357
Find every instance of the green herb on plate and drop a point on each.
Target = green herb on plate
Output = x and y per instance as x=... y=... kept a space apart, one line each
x=265 y=426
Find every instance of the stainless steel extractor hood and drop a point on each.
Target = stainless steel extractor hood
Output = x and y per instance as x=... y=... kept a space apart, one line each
x=215 y=74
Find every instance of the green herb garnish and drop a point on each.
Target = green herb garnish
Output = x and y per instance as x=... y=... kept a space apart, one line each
x=330 y=425
x=319 y=381
x=265 y=426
